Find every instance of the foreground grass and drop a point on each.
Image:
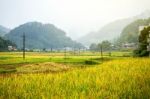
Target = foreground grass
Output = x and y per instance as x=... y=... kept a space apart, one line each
x=117 y=79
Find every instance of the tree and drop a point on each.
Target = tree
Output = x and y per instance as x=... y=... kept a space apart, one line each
x=93 y=47
x=106 y=45
x=4 y=44
x=143 y=43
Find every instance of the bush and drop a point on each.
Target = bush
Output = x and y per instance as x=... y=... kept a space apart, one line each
x=144 y=53
x=136 y=53
x=140 y=53
x=90 y=62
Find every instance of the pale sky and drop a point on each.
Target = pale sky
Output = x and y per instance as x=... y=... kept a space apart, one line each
x=75 y=17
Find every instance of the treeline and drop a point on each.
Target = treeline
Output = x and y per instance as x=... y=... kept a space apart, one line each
x=144 y=43
x=104 y=45
x=4 y=44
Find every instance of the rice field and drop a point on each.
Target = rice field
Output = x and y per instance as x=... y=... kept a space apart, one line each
x=74 y=77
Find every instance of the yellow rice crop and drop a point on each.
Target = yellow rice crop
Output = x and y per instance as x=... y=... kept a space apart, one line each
x=117 y=79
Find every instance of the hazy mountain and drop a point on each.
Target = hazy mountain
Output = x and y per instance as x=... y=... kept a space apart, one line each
x=111 y=30
x=3 y=30
x=40 y=35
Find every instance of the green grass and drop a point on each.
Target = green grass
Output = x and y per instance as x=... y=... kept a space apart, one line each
x=10 y=61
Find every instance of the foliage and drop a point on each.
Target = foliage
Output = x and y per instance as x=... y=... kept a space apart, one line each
x=93 y=47
x=4 y=44
x=142 y=50
x=140 y=53
x=143 y=38
x=106 y=46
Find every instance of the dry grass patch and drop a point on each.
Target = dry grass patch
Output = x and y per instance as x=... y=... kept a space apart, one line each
x=43 y=67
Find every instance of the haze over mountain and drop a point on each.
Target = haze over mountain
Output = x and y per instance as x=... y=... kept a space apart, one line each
x=3 y=30
x=111 y=30
x=40 y=36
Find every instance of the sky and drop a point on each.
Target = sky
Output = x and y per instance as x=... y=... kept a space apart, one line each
x=75 y=17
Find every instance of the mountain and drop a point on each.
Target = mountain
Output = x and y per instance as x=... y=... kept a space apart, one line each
x=40 y=36
x=3 y=30
x=111 y=30
x=130 y=33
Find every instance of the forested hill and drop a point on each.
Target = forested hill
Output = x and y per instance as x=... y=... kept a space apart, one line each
x=41 y=36
x=131 y=32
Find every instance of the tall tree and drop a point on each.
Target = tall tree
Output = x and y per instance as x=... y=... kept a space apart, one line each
x=93 y=47
x=143 y=42
x=106 y=45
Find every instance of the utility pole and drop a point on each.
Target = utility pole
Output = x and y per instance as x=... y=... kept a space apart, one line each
x=51 y=49
x=74 y=51
x=65 y=52
x=79 y=51
x=23 y=46
x=101 y=51
x=148 y=46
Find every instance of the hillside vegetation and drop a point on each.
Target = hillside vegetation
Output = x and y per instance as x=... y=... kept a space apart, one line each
x=4 y=44
x=131 y=32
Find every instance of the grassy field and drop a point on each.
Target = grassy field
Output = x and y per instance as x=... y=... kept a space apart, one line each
x=88 y=76
x=10 y=61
